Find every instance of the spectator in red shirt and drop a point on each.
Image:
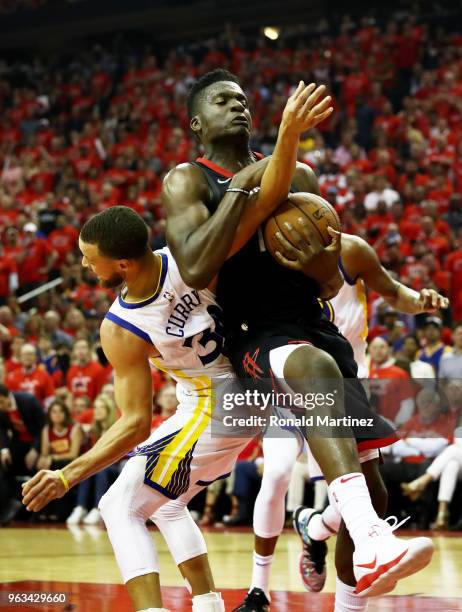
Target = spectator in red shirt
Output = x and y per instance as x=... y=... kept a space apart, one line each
x=39 y=261
x=8 y=275
x=389 y=384
x=85 y=376
x=63 y=240
x=32 y=377
x=13 y=362
x=61 y=438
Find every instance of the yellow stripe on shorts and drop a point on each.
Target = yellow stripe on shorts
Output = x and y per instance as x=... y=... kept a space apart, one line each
x=182 y=443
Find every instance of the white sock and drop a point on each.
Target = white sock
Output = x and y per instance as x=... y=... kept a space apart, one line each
x=322 y=526
x=346 y=600
x=351 y=496
x=208 y=602
x=261 y=573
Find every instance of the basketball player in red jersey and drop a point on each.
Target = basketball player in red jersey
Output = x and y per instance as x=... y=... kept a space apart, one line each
x=270 y=330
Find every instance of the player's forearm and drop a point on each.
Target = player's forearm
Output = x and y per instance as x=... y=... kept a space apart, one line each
x=406 y=300
x=274 y=188
x=202 y=254
x=114 y=444
x=278 y=175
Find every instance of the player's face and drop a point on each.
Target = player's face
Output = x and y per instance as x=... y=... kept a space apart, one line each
x=224 y=112
x=107 y=270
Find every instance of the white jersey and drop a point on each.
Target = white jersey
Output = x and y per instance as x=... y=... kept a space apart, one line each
x=183 y=325
x=350 y=316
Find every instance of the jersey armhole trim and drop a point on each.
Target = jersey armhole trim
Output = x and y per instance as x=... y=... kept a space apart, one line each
x=129 y=327
x=348 y=279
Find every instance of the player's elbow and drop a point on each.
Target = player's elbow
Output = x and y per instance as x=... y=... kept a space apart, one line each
x=141 y=429
x=196 y=277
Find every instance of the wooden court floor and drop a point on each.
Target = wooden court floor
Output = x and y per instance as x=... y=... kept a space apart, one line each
x=78 y=561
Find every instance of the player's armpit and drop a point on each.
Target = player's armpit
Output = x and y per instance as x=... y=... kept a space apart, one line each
x=199 y=242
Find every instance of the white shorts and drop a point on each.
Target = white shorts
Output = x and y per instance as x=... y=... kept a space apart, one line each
x=182 y=453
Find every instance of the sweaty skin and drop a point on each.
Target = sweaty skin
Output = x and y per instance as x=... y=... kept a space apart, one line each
x=201 y=242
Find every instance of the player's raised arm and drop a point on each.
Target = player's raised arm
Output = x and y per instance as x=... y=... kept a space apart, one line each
x=201 y=242
x=307 y=107
x=403 y=299
x=133 y=394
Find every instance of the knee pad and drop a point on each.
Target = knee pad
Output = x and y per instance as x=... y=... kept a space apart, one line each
x=208 y=602
x=183 y=537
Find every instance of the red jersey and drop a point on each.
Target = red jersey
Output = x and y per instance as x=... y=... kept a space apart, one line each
x=441 y=427
x=60 y=443
x=391 y=386
x=36 y=381
x=7 y=266
x=38 y=252
x=63 y=241
x=85 y=380
x=18 y=425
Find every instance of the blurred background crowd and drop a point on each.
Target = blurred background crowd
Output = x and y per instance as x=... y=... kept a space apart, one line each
x=102 y=125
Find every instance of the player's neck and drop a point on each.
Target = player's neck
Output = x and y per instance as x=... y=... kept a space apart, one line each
x=232 y=156
x=146 y=280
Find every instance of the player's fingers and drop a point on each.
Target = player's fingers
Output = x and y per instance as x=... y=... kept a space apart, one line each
x=319 y=118
x=307 y=233
x=39 y=501
x=27 y=486
x=444 y=302
x=321 y=107
x=296 y=93
x=314 y=97
x=286 y=246
x=296 y=238
x=425 y=298
x=305 y=93
x=33 y=492
x=336 y=236
x=288 y=263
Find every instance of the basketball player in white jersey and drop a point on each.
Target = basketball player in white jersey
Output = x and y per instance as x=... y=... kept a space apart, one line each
x=157 y=318
x=360 y=268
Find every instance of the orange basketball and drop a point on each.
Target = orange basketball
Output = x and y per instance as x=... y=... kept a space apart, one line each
x=318 y=213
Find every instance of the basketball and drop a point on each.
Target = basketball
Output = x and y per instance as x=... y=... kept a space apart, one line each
x=317 y=211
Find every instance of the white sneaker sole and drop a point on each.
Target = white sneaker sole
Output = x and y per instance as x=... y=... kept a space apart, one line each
x=418 y=556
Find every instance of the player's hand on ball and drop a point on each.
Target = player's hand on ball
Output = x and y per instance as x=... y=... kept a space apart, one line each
x=431 y=301
x=40 y=490
x=305 y=252
x=306 y=107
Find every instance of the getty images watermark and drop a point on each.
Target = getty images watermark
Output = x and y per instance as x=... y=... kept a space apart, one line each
x=285 y=404
x=332 y=408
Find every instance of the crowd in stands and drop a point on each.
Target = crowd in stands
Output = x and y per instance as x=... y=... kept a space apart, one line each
x=103 y=126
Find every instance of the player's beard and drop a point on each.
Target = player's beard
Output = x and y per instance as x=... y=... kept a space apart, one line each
x=114 y=281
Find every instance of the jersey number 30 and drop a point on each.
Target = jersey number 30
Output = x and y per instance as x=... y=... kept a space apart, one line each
x=208 y=335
